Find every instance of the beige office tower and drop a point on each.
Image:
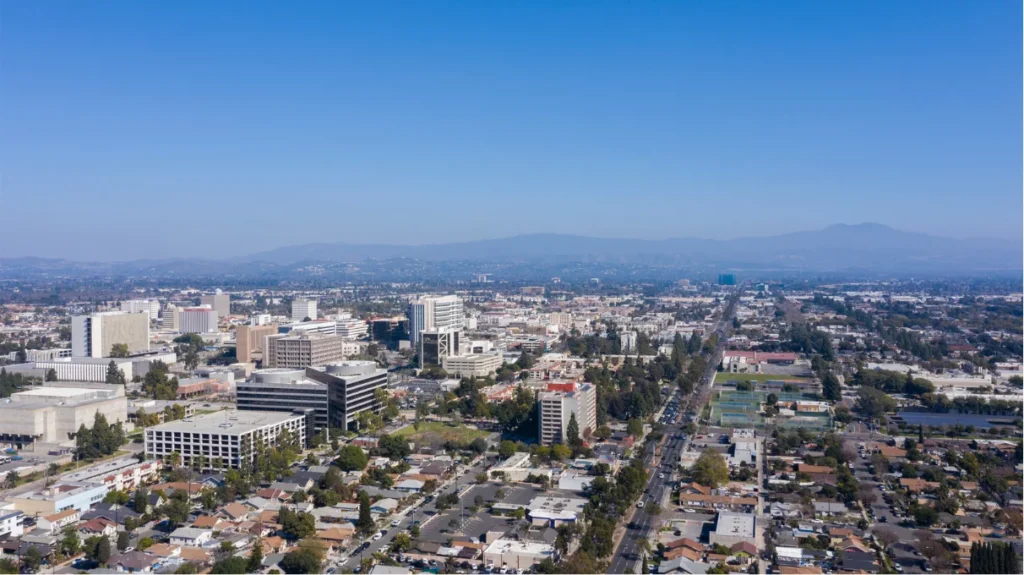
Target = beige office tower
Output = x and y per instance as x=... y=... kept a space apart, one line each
x=95 y=335
x=219 y=302
x=305 y=350
x=169 y=319
x=249 y=340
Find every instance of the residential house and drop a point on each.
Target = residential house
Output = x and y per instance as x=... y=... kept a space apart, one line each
x=134 y=562
x=190 y=536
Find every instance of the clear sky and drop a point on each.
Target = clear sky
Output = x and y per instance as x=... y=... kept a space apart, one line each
x=135 y=129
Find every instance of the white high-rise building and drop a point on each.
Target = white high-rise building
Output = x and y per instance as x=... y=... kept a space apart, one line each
x=556 y=408
x=627 y=342
x=352 y=328
x=150 y=306
x=94 y=335
x=219 y=301
x=202 y=319
x=303 y=307
x=435 y=312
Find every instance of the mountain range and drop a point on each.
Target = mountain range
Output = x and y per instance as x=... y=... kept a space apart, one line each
x=860 y=248
x=840 y=246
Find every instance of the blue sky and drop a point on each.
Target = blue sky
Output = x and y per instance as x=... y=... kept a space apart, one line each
x=136 y=129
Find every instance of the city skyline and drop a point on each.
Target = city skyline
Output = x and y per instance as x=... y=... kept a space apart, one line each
x=146 y=131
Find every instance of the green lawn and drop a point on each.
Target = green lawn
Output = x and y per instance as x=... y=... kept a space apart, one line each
x=439 y=432
x=722 y=377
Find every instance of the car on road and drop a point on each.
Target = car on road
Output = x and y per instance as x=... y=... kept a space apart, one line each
x=396 y=522
x=377 y=537
x=639 y=503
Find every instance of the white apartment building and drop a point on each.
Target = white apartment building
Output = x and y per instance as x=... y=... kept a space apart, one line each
x=12 y=522
x=627 y=342
x=227 y=438
x=472 y=365
x=556 y=408
x=149 y=306
x=435 y=312
x=351 y=329
x=123 y=474
x=94 y=335
x=303 y=307
x=202 y=319
x=219 y=301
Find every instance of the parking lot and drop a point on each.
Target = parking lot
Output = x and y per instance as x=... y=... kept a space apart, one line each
x=438 y=529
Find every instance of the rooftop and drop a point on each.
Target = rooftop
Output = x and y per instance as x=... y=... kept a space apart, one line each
x=503 y=546
x=226 y=422
x=735 y=524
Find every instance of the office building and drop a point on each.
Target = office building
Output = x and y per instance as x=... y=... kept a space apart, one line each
x=223 y=439
x=261 y=319
x=726 y=279
x=326 y=327
x=53 y=412
x=169 y=318
x=219 y=301
x=389 y=330
x=285 y=390
x=472 y=365
x=627 y=342
x=148 y=306
x=303 y=350
x=437 y=344
x=202 y=319
x=352 y=329
x=249 y=340
x=94 y=335
x=434 y=312
x=303 y=309
x=92 y=369
x=351 y=389
x=556 y=408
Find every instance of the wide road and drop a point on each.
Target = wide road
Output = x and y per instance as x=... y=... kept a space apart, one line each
x=629 y=552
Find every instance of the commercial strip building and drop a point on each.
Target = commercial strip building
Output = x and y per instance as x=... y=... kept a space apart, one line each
x=94 y=335
x=249 y=340
x=351 y=389
x=474 y=365
x=557 y=406
x=434 y=312
x=285 y=390
x=53 y=412
x=517 y=554
x=80 y=495
x=227 y=438
x=122 y=474
x=219 y=301
x=732 y=528
x=148 y=306
x=302 y=308
x=303 y=350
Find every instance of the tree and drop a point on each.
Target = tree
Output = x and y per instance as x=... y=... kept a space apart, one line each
x=51 y=374
x=119 y=350
x=114 y=374
x=296 y=525
x=123 y=538
x=11 y=480
x=506 y=449
x=208 y=498
x=140 y=500
x=560 y=452
x=711 y=469
x=365 y=523
x=925 y=516
x=603 y=432
x=7 y=565
x=635 y=427
x=146 y=543
x=32 y=559
x=572 y=434
x=232 y=565
x=306 y=559
x=71 y=543
x=393 y=446
x=186 y=569
x=830 y=388
x=116 y=497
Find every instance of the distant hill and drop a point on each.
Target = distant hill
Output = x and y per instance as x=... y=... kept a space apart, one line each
x=838 y=247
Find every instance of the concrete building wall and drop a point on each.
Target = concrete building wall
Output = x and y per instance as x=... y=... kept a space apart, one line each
x=249 y=339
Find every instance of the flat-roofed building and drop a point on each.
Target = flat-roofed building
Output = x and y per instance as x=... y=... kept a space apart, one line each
x=352 y=387
x=517 y=553
x=303 y=308
x=352 y=328
x=219 y=301
x=286 y=390
x=202 y=319
x=87 y=368
x=148 y=306
x=437 y=344
x=60 y=497
x=557 y=408
x=94 y=335
x=249 y=340
x=225 y=439
x=53 y=413
x=472 y=365
x=732 y=528
x=303 y=350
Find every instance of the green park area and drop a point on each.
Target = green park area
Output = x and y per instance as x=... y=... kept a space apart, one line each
x=438 y=433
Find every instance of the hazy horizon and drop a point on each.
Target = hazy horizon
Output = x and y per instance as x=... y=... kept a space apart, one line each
x=155 y=130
